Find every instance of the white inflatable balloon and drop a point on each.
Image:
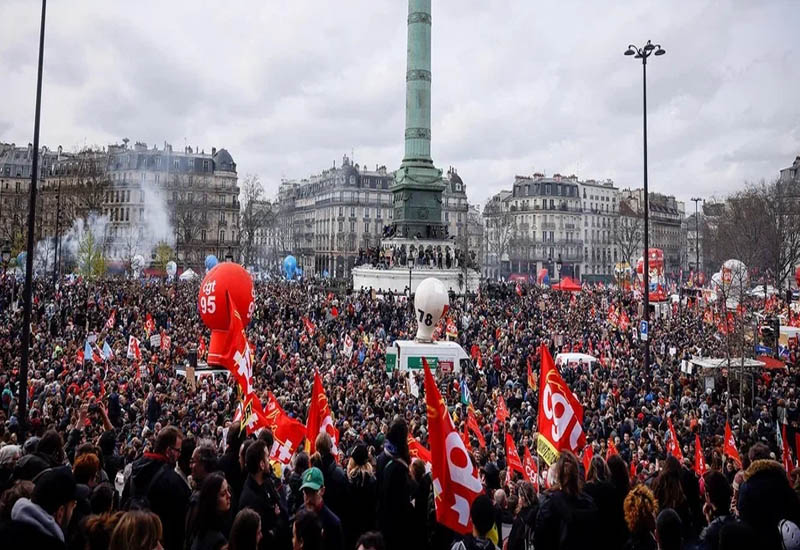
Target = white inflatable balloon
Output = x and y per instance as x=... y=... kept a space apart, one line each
x=431 y=303
x=172 y=269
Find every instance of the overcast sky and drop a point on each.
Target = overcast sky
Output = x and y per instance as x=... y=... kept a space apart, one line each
x=518 y=86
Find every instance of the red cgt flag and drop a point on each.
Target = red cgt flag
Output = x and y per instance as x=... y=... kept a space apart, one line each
x=320 y=417
x=455 y=477
x=239 y=356
x=111 y=319
x=513 y=461
x=287 y=431
x=560 y=414
x=531 y=471
x=729 y=448
x=673 y=445
x=700 y=467
x=149 y=324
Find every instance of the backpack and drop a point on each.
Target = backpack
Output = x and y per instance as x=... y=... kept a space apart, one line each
x=141 y=501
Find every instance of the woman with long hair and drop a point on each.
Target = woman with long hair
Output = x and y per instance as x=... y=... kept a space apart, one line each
x=568 y=518
x=668 y=490
x=208 y=529
x=362 y=495
x=246 y=530
x=137 y=530
x=619 y=478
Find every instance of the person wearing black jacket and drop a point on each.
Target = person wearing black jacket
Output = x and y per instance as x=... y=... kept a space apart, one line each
x=568 y=518
x=335 y=479
x=259 y=494
x=362 y=496
x=229 y=464
x=525 y=521
x=603 y=494
x=395 y=513
x=154 y=485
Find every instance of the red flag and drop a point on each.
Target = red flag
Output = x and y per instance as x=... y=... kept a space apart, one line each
x=588 y=454
x=531 y=378
x=699 y=461
x=673 y=445
x=512 y=456
x=320 y=417
x=612 y=449
x=519 y=289
x=472 y=424
x=111 y=319
x=632 y=473
x=613 y=317
x=149 y=324
x=239 y=356
x=166 y=341
x=624 y=321
x=334 y=312
x=455 y=476
x=502 y=410
x=416 y=450
x=474 y=351
x=201 y=347
x=560 y=414
x=465 y=438
x=79 y=357
x=530 y=470
x=287 y=431
x=787 y=452
x=729 y=448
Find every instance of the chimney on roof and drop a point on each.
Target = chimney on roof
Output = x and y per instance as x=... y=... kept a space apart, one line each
x=213 y=151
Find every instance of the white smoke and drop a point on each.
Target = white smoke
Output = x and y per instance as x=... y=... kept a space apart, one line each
x=156 y=224
x=69 y=246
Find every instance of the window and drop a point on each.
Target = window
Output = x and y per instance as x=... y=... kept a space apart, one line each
x=352 y=211
x=366 y=212
x=203 y=235
x=341 y=227
x=366 y=227
x=352 y=227
x=222 y=236
x=341 y=211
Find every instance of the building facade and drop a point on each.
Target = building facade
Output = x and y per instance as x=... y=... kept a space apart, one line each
x=328 y=219
x=537 y=224
x=188 y=199
x=667 y=230
x=600 y=206
x=16 y=165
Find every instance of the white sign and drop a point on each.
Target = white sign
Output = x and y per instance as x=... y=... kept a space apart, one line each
x=643 y=331
x=155 y=340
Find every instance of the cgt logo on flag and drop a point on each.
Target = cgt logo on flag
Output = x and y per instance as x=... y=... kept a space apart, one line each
x=560 y=414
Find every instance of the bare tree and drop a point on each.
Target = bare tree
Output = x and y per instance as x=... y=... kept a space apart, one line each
x=256 y=214
x=187 y=212
x=628 y=232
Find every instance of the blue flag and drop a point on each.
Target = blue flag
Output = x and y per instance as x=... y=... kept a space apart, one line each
x=107 y=353
x=87 y=351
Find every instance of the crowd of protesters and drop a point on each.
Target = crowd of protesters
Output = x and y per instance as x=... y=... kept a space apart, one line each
x=120 y=453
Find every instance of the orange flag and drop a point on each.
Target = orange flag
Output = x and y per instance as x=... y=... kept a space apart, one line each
x=472 y=424
x=531 y=472
x=502 y=411
x=673 y=445
x=588 y=454
x=531 y=378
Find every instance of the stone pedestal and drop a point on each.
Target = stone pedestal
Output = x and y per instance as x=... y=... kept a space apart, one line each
x=396 y=279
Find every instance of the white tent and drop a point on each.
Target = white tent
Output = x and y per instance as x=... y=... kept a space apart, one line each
x=188 y=275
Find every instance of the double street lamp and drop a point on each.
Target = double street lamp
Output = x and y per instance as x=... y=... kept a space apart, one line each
x=643 y=53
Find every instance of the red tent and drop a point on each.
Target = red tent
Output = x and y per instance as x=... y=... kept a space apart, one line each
x=567 y=285
x=770 y=363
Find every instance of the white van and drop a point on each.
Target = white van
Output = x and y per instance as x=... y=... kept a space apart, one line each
x=446 y=356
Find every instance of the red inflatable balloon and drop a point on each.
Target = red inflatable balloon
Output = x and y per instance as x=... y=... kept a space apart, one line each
x=226 y=287
x=797 y=275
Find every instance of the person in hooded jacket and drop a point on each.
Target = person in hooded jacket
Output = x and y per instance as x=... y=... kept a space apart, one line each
x=603 y=493
x=336 y=487
x=154 y=485
x=47 y=452
x=766 y=498
x=42 y=520
x=301 y=464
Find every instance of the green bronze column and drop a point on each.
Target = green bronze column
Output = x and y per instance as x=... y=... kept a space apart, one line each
x=417 y=192
x=418 y=83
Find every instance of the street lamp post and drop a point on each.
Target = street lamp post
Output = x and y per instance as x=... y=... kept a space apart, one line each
x=643 y=53
x=410 y=267
x=22 y=387
x=696 y=234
